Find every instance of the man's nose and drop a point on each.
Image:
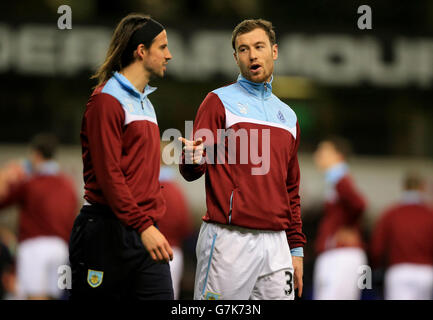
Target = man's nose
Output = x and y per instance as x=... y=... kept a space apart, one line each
x=253 y=55
x=168 y=56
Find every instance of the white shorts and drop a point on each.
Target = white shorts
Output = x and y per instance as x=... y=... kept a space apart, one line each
x=235 y=263
x=336 y=274
x=407 y=281
x=176 y=270
x=38 y=261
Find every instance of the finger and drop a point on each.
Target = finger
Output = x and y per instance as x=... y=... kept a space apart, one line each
x=189 y=149
x=164 y=253
x=193 y=148
x=198 y=142
x=300 y=286
x=185 y=141
x=159 y=256
x=152 y=255
x=169 y=251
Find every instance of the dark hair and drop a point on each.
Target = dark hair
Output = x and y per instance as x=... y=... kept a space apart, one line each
x=413 y=181
x=116 y=58
x=341 y=145
x=45 y=144
x=252 y=24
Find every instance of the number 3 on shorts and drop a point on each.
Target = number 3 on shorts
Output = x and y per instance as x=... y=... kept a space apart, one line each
x=289 y=282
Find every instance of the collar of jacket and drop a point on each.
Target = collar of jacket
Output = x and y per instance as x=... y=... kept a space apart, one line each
x=127 y=85
x=412 y=197
x=261 y=90
x=47 y=168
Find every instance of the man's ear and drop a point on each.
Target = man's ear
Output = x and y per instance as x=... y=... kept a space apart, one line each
x=141 y=52
x=275 y=51
x=236 y=57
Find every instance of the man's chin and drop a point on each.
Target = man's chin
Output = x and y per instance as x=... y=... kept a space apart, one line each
x=259 y=78
x=157 y=75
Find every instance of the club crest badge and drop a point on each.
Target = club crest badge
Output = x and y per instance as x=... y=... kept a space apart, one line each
x=243 y=108
x=281 y=117
x=94 y=278
x=211 y=296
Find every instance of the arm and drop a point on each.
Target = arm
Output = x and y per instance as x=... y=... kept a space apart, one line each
x=104 y=118
x=210 y=117
x=10 y=196
x=351 y=198
x=378 y=242
x=104 y=123
x=295 y=236
x=12 y=178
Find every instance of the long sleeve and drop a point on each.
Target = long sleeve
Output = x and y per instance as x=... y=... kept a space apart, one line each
x=350 y=197
x=104 y=120
x=295 y=236
x=378 y=242
x=210 y=117
x=13 y=195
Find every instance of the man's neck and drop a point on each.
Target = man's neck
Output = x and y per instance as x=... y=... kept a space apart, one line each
x=136 y=74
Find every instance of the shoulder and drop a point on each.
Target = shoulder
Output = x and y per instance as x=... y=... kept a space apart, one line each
x=105 y=99
x=227 y=89
x=212 y=101
x=389 y=213
x=109 y=91
x=228 y=96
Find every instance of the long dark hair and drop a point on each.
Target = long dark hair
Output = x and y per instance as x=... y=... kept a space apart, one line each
x=116 y=58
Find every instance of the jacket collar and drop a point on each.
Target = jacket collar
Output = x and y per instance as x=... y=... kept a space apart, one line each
x=412 y=197
x=46 y=168
x=127 y=85
x=262 y=90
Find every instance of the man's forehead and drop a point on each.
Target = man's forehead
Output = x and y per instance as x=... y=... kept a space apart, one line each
x=253 y=36
x=162 y=36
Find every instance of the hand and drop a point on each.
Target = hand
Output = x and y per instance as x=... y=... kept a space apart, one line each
x=156 y=244
x=298 y=267
x=12 y=173
x=193 y=150
x=347 y=237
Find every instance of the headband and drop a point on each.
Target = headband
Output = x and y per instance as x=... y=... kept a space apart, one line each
x=144 y=35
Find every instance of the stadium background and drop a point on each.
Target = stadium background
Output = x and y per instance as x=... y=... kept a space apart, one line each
x=373 y=87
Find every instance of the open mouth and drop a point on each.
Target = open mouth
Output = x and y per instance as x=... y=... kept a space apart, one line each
x=255 y=67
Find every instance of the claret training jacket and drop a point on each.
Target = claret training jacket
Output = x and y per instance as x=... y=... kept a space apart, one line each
x=248 y=123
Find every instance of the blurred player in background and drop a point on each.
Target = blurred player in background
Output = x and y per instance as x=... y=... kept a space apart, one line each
x=176 y=224
x=48 y=204
x=116 y=250
x=251 y=241
x=339 y=245
x=402 y=242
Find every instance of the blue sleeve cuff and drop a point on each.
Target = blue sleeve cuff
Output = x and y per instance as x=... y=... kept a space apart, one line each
x=297 y=252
